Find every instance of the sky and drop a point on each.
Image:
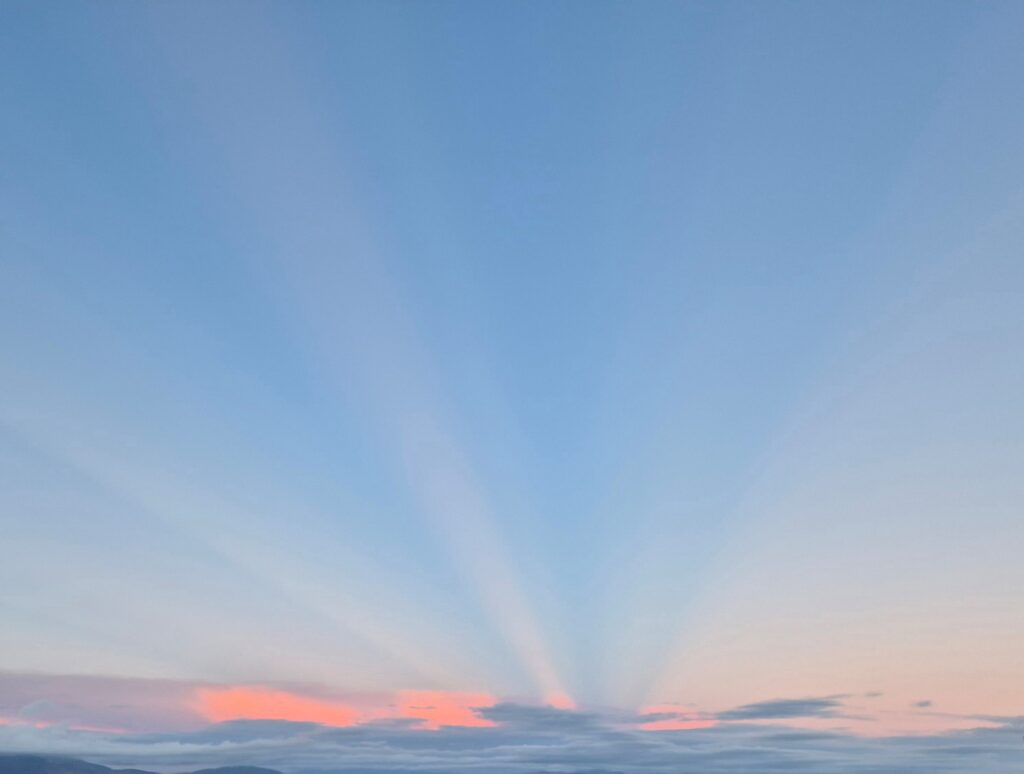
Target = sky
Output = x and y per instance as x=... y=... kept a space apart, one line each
x=570 y=386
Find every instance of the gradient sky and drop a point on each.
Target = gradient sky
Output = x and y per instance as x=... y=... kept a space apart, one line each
x=391 y=361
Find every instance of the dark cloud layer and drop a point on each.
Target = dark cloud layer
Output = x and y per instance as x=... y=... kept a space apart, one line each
x=541 y=740
x=781 y=709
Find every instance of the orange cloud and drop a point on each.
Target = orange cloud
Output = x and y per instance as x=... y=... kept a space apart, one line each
x=249 y=703
x=445 y=708
x=682 y=719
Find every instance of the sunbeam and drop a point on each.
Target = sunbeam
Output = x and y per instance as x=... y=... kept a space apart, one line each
x=511 y=387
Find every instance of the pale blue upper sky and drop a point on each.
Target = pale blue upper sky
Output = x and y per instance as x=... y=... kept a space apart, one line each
x=524 y=347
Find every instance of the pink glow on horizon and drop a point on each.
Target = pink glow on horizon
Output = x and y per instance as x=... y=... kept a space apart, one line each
x=445 y=708
x=253 y=703
x=562 y=701
x=683 y=719
x=434 y=709
x=5 y=721
x=94 y=729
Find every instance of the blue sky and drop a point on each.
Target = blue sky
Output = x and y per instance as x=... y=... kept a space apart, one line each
x=600 y=354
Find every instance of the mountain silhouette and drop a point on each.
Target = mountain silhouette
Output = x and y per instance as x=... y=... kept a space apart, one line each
x=52 y=764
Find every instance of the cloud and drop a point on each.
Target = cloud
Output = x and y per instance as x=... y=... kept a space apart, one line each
x=780 y=709
x=157 y=725
x=140 y=706
x=538 y=740
x=111 y=703
x=234 y=703
x=528 y=717
x=672 y=717
x=438 y=709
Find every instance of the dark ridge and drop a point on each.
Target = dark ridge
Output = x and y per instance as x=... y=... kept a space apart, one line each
x=54 y=764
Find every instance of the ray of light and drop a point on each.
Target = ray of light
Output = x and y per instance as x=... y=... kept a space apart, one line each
x=857 y=567
x=941 y=296
x=349 y=311
x=164 y=490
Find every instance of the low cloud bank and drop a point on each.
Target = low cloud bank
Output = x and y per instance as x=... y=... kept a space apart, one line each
x=542 y=740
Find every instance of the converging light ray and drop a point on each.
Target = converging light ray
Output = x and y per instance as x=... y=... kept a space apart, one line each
x=355 y=321
x=512 y=387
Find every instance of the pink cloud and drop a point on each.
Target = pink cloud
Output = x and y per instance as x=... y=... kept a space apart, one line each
x=562 y=701
x=254 y=703
x=105 y=704
x=434 y=709
x=677 y=718
x=445 y=708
